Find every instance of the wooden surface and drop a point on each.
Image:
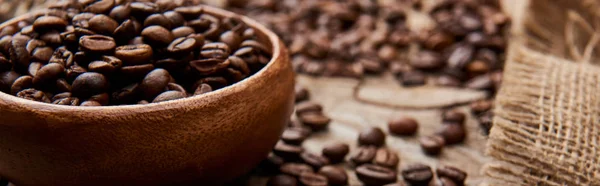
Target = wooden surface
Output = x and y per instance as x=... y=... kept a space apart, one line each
x=351 y=114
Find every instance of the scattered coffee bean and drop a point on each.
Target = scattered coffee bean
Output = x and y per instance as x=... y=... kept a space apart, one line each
x=386 y=158
x=315 y=120
x=432 y=145
x=287 y=152
x=295 y=169
x=336 y=152
x=481 y=106
x=301 y=93
x=307 y=106
x=313 y=179
x=454 y=116
x=316 y=161
x=372 y=136
x=443 y=181
x=417 y=174
x=282 y=180
x=335 y=176
x=363 y=155
x=452 y=173
x=294 y=136
x=404 y=126
x=371 y=174
x=452 y=133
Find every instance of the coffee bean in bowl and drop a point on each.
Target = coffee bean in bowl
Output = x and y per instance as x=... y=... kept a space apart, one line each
x=209 y=95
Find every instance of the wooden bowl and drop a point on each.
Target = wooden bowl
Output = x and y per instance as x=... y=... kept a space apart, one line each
x=207 y=139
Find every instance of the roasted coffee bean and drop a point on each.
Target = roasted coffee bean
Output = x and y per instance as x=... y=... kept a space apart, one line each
x=460 y=56
x=483 y=82
x=371 y=174
x=6 y=44
x=207 y=25
x=34 y=95
x=154 y=83
x=432 y=145
x=8 y=30
x=61 y=96
x=443 y=181
x=158 y=19
x=42 y=54
x=302 y=93
x=447 y=81
x=417 y=174
x=335 y=176
x=231 y=39
x=157 y=35
x=18 y=51
x=203 y=89
x=21 y=83
x=189 y=12
x=314 y=160
x=90 y=104
x=404 y=126
x=67 y=101
x=143 y=9
x=182 y=45
x=126 y=94
x=62 y=85
x=97 y=44
x=206 y=67
x=5 y=64
x=72 y=72
x=453 y=133
x=336 y=152
x=33 y=44
x=169 y=95
x=481 y=106
x=287 y=152
x=454 y=116
x=438 y=40
x=396 y=184
x=295 y=169
x=88 y=84
x=315 y=120
x=386 y=158
x=294 y=136
x=183 y=31
x=282 y=180
x=308 y=106
x=427 y=60
x=413 y=78
x=176 y=19
x=134 y=54
x=363 y=155
x=48 y=73
x=452 y=173
x=102 y=6
x=102 y=24
x=125 y=32
x=120 y=13
x=215 y=51
x=372 y=136
x=47 y=23
x=313 y=179
x=103 y=98
x=52 y=38
x=82 y=20
x=109 y=64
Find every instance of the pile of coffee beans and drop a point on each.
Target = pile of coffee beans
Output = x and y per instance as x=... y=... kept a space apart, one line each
x=352 y=38
x=115 y=52
x=290 y=164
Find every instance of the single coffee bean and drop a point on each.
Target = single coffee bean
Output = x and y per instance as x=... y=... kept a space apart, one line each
x=386 y=158
x=176 y=19
x=8 y=30
x=302 y=93
x=154 y=83
x=125 y=32
x=90 y=104
x=295 y=169
x=470 y=22
x=207 y=25
x=63 y=86
x=413 y=78
x=335 y=176
x=314 y=160
x=126 y=94
x=21 y=83
x=82 y=19
x=313 y=179
x=97 y=44
x=88 y=84
x=183 y=31
x=294 y=136
x=481 y=106
x=427 y=60
x=336 y=152
x=240 y=65
x=52 y=38
x=102 y=24
x=61 y=96
x=47 y=23
x=134 y=54
x=120 y=13
x=363 y=155
x=158 y=19
x=372 y=136
x=308 y=106
x=157 y=35
x=34 y=95
x=453 y=133
x=454 y=116
x=417 y=174
x=48 y=73
x=287 y=152
x=404 y=126
x=72 y=71
x=203 y=89
x=282 y=180
x=215 y=50
x=169 y=95
x=176 y=87
x=18 y=51
x=189 y=12
x=371 y=174
x=438 y=40
x=443 y=181
x=143 y=9
x=67 y=101
x=33 y=44
x=42 y=54
x=231 y=39
x=182 y=45
x=103 y=98
x=99 y=7
x=6 y=44
x=432 y=145
x=452 y=173
x=315 y=120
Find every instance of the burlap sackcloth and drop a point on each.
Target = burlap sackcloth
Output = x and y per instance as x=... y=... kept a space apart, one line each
x=547 y=125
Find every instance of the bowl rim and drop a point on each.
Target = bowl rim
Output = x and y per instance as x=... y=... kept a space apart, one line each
x=277 y=55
